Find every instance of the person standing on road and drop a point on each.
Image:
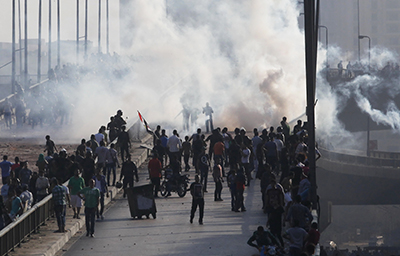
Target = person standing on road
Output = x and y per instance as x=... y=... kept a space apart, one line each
x=101 y=185
x=42 y=186
x=124 y=143
x=5 y=166
x=204 y=167
x=101 y=154
x=50 y=146
x=240 y=181
x=154 y=168
x=208 y=111
x=128 y=171
x=218 y=179
x=25 y=174
x=300 y=213
x=91 y=196
x=245 y=161
x=60 y=195
x=297 y=236
x=197 y=192
x=174 y=146
x=112 y=162
x=219 y=152
x=75 y=184
x=187 y=150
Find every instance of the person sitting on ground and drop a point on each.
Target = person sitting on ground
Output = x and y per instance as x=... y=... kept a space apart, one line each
x=262 y=238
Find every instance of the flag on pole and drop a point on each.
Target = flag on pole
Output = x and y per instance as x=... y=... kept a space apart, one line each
x=140 y=116
x=144 y=123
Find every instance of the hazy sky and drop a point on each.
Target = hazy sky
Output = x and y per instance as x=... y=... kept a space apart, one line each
x=67 y=18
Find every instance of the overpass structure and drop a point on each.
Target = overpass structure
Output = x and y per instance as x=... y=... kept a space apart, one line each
x=345 y=179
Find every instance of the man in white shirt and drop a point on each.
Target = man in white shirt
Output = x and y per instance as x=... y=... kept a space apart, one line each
x=174 y=145
x=101 y=153
x=99 y=136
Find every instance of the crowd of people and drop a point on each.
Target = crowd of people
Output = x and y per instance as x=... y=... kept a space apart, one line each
x=390 y=70
x=89 y=171
x=278 y=157
x=51 y=102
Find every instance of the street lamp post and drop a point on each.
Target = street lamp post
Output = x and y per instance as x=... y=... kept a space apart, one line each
x=311 y=19
x=108 y=28
x=49 y=61
x=26 y=45
x=20 y=48
x=39 y=71
x=369 y=63
x=99 y=32
x=358 y=18
x=326 y=43
x=369 y=47
x=58 y=35
x=77 y=31
x=86 y=26
x=13 y=49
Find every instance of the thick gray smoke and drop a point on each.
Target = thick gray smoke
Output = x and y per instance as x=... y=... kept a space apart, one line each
x=245 y=58
x=374 y=93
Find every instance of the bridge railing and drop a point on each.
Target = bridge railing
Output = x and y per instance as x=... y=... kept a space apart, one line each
x=377 y=158
x=29 y=222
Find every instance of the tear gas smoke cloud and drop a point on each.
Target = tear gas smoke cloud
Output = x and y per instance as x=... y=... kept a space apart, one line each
x=368 y=91
x=245 y=58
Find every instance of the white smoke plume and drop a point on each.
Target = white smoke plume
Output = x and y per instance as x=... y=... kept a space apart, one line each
x=245 y=58
x=374 y=93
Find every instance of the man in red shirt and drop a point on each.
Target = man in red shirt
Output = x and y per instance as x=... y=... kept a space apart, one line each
x=219 y=149
x=154 y=168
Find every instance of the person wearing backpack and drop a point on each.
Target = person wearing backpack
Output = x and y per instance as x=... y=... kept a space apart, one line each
x=197 y=192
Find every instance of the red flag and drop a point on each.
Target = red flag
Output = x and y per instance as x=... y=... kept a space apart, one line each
x=140 y=116
x=144 y=123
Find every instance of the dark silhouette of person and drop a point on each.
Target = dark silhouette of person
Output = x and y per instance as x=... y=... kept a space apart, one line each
x=208 y=111
x=124 y=142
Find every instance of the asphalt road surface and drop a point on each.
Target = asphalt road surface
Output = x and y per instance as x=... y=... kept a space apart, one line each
x=224 y=232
